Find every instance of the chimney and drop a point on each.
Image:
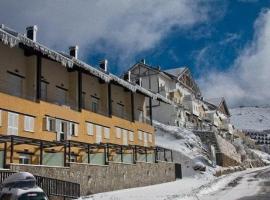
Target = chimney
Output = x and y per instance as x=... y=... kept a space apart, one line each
x=104 y=65
x=143 y=61
x=31 y=32
x=73 y=51
x=129 y=76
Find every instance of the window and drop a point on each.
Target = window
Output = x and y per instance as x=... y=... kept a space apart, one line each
x=50 y=124
x=118 y=132
x=73 y=129
x=44 y=90
x=29 y=123
x=106 y=133
x=62 y=127
x=13 y=123
x=95 y=103
x=15 y=84
x=90 y=128
x=61 y=95
x=140 y=135
x=24 y=158
x=131 y=136
x=120 y=110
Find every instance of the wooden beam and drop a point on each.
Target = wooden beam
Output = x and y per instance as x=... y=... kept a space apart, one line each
x=80 y=90
x=11 y=149
x=41 y=153
x=38 y=77
x=109 y=100
x=5 y=155
x=150 y=111
x=132 y=107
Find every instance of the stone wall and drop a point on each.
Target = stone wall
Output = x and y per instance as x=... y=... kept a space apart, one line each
x=95 y=178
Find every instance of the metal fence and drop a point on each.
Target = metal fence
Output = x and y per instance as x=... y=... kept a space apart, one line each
x=52 y=187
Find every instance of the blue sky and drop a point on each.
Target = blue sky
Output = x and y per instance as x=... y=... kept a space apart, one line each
x=226 y=44
x=220 y=40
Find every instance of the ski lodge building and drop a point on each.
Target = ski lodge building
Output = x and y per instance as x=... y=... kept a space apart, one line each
x=188 y=108
x=56 y=109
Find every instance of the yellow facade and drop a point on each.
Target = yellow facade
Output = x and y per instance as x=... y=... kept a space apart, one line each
x=13 y=60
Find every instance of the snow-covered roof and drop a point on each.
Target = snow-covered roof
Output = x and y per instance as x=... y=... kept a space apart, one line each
x=176 y=72
x=214 y=101
x=12 y=38
x=217 y=103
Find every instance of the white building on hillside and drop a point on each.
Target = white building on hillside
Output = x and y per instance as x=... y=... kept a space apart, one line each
x=175 y=84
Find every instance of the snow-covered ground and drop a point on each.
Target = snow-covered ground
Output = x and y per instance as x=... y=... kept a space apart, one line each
x=178 y=139
x=231 y=186
x=251 y=118
x=188 y=147
x=163 y=191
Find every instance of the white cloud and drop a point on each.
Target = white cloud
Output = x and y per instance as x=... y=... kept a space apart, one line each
x=247 y=81
x=120 y=28
x=229 y=38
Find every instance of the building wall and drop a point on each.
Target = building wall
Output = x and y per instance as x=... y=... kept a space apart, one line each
x=95 y=179
x=56 y=75
x=14 y=61
x=91 y=87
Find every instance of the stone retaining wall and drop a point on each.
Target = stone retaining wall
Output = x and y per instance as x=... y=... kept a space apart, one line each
x=95 y=178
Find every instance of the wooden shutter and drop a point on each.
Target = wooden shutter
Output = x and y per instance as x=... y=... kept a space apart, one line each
x=131 y=136
x=150 y=137
x=28 y=123
x=90 y=128
x=13 y=123
x=140 y=135
x=106 y=132
x=57 y=125
x=76 y=129
x=145 y=138
x=118 y=132
x=69 y=130
x=98 y=134
x=125 y=137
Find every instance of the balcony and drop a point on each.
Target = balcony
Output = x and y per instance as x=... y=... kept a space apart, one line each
x=121 y=114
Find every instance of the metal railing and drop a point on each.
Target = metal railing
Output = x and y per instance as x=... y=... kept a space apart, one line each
x=51 y=186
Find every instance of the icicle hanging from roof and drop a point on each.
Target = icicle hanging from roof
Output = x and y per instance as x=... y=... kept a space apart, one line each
x=124 y=83
x=46 y=51
x=8 y=39
x=93 y=70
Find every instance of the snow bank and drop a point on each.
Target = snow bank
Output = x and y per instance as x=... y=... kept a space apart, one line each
x=264 y=156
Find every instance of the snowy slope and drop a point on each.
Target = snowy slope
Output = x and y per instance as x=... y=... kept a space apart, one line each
x=251 y=118
x=178 y=139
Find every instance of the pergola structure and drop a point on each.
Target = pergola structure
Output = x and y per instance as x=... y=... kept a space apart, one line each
x=86 y=147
